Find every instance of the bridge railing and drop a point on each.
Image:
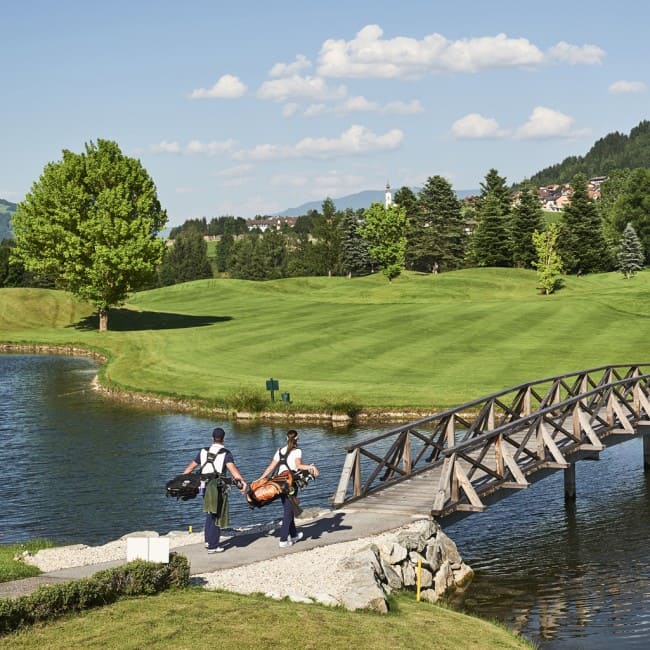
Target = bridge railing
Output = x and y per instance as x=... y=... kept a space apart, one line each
x=405 y=451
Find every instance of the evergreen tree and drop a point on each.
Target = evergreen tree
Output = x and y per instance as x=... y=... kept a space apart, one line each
x=328 y=237
x=355 y=258
x=187 y=259
x=273 y=253
x=490 y=240
x=630 y=256
x=385 y=231
x=633 y=206
x=222 y=251
x=582 y=244
x=438 y=230
x=525 y=219
x=303 y=258
x=548 y=263
x=497 y=186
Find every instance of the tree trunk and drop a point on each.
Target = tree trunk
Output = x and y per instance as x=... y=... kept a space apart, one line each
x=103 y=319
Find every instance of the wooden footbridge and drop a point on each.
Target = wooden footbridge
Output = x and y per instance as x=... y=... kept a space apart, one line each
x=457 y=462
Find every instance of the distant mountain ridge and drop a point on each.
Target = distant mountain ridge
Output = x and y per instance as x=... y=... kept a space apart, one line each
x=7 y=210
x=355 y=201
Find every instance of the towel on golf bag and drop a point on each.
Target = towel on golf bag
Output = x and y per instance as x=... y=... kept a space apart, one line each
x=267 y=490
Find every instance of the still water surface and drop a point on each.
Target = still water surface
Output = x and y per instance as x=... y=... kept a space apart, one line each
x=79 y=468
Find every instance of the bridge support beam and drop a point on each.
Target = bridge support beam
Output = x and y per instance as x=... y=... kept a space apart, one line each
x=570 y=482
x=644 y=430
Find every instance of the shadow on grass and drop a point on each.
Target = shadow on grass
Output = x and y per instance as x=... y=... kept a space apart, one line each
x=126 y=320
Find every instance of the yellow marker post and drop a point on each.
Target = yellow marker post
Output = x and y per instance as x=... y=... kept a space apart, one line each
x=419 y=580
x=190 y=528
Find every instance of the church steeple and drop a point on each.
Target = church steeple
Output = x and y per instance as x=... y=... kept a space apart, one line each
x=388 y=196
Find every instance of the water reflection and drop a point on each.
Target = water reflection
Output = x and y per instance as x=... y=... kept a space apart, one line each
x=79 y=468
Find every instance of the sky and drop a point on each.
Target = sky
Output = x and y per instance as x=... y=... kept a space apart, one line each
x=250 y=108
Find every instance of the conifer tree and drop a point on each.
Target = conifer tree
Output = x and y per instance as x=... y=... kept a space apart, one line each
x=630 y=256
x=490 y=241
x=497 y=186
x=525 y=219
x=187 y=259
x=437 y=234
x=582 y=244
x=355 y=258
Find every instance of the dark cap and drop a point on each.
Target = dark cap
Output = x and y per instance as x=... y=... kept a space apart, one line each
x=218 y=434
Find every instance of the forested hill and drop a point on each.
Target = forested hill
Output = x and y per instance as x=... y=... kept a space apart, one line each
x=614 y=151
x=7 y=209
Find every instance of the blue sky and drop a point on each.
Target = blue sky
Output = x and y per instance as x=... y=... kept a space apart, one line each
x=253 y=107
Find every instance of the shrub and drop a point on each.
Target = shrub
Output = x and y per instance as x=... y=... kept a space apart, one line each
x=136 y=578
x=349 y=407
x=248 y=399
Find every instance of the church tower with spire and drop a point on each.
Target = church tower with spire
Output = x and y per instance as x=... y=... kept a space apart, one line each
x=388 y=201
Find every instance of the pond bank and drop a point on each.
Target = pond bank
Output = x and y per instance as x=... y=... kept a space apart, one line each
x=201 y=408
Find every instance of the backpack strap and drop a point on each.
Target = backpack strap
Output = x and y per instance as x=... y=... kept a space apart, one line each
x=211 y=457
x=282 y=460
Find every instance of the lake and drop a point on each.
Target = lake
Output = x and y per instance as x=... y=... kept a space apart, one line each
x=80 y=468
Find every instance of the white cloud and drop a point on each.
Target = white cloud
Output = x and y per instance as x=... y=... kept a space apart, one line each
x=547 y=123
x=357 y=140
x=227 y=87
x=621 y=86
x=193 y=147
x=166 y=146
x=314 y=110
x=369 y=55
x=475 y=126
x=564 y=52
x=289 y=69
x=295 y=86
x=290 y=109
x=360 y=104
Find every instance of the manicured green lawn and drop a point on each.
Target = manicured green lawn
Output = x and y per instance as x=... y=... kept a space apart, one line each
x=196 y=618
x=421 y=341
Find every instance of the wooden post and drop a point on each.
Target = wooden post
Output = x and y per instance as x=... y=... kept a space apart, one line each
x=570 y=482
x=644 y=430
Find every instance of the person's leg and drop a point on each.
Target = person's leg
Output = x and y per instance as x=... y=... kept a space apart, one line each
x=212 y=531
x=287 y=520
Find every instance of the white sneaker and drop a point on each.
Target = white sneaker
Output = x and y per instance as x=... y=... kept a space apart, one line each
x=207 y=545
x=297 y=538
x=218 y=549
x=286 y=543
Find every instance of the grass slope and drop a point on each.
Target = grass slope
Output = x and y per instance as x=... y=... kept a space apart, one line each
x=421 y=341
x=195 y=618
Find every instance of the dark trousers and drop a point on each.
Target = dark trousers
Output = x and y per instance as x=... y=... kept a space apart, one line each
x=212 y=531
x=288 y=527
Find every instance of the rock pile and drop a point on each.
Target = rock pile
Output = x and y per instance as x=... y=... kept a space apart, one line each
x=395 y=562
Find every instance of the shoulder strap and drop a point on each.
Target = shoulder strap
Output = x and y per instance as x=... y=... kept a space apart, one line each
x=211 y=457
x=282 y=460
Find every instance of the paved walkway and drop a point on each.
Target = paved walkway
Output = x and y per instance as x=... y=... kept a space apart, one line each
x=241 y=549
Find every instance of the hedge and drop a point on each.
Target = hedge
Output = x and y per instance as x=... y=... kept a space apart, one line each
x=135 y=578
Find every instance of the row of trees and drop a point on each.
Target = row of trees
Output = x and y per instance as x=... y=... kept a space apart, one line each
x=433 y=231
x=91 y=225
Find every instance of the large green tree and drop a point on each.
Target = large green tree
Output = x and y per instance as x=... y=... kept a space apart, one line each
x=498 y=187
x=582 y=244
x=328 y=237
x=92 y=221
x=440 y=232
x=355 y=258
x=490 y=240
x=548 y=262
x=385 y=231
x=526 y=217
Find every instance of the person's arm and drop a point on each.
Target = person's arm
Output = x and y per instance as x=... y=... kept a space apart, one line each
x=312 y=469
x=190 y=467
x=232 y=468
